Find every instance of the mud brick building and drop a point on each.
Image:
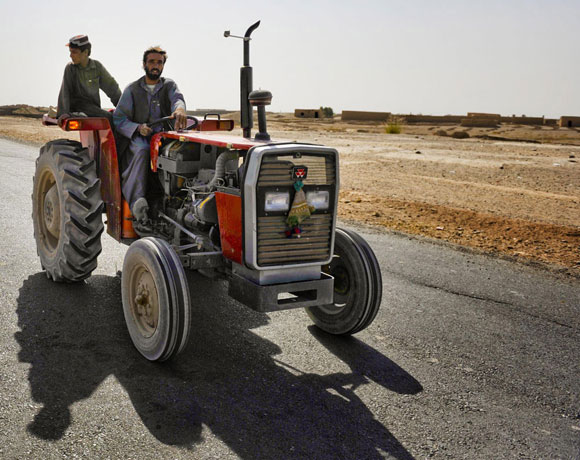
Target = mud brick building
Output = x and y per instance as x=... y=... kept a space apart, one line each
x=308 y=113
x=569 y=122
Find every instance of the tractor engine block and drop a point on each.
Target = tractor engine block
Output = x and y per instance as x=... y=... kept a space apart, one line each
x=190 y=174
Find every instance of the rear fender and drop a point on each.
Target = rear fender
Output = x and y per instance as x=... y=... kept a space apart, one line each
x=110 y=180
x=97 y=136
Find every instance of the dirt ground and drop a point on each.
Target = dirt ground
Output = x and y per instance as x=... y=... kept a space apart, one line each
x=512 y=191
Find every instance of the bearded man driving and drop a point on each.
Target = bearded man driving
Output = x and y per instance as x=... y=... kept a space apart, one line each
x=149 y=98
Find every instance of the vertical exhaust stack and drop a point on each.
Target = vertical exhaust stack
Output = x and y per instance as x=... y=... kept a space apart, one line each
x=245 y=82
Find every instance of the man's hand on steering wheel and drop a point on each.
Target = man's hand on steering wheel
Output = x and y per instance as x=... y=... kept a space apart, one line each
x=180 y=118
x=145 y=130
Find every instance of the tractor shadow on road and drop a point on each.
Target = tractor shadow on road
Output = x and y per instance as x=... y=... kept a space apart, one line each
x=227 y=383
x=367 y=363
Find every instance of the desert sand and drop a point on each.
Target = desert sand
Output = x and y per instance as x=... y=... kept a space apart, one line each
x=512 y=191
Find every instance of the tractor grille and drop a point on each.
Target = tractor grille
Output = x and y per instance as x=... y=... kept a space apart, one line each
x=273 y=246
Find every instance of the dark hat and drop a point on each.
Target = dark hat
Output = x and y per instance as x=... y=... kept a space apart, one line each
x=78 y=41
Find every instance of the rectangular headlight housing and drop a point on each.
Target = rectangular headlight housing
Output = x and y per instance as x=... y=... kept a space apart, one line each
x=277 y=201
x=320 y=199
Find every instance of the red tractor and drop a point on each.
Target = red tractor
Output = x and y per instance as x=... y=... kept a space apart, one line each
x=224 y=208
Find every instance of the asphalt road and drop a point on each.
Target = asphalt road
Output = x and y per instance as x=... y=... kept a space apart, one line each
x=469 y=357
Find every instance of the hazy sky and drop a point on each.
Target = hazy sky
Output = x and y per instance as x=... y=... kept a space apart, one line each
x=430 y=57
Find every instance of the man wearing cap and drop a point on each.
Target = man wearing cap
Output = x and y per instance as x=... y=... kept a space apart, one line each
x=83 y=78
x=149 y=98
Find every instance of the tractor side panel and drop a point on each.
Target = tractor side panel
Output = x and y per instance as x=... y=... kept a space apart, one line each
x=110 y=183
x=102 y=149
x=229 y=206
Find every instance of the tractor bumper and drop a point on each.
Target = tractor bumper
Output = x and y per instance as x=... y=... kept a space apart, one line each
x=275 y=297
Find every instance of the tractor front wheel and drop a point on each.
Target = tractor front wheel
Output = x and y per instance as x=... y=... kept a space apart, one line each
x=357 y=287
x=67 y=211
x=156 y=299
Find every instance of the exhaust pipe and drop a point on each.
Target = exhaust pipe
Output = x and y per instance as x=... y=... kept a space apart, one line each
x=245 y=82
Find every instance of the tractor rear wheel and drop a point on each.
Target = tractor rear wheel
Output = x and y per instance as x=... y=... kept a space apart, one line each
x=156 y=300
x=358 y=287
x=67 y=211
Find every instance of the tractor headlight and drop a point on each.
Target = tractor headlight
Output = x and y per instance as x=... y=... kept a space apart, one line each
x=319 y=199
x=277 y=201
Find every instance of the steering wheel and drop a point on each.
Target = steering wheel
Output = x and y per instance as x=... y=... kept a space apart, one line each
x=187 y=128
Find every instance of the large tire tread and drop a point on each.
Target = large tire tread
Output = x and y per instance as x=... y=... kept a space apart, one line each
x=96 y=213
x=86 y=204
x=77 y=176
x=74 y=256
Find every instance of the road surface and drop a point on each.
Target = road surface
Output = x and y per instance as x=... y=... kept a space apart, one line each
x=469 y=357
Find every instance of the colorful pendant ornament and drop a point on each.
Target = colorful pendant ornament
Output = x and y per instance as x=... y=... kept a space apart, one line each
x=300 y=210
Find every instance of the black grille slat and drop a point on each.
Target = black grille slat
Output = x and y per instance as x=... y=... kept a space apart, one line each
x=294 y=252
x=283 y=247
x=275 y=220
x=264 y=260
x=276 y=183
x=309 y=242
x=281 y=234
x=281 y=226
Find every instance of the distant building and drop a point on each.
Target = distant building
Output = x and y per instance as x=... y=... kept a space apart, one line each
x=308 y=113
x=481 y=120
x=523 y=120
x=431 y=119
x=482 y=115
x=569 y=122
x=354 y=115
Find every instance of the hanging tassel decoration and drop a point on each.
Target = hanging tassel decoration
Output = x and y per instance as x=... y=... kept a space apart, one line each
x=299 y=211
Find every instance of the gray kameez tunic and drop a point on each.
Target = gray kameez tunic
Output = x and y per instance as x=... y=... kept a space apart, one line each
x=136 y=159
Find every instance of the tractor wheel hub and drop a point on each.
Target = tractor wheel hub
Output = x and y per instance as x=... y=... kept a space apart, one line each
x=52 y=211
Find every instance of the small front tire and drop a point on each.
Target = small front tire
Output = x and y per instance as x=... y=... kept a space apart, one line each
x=357 y=287
x=156 y=300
